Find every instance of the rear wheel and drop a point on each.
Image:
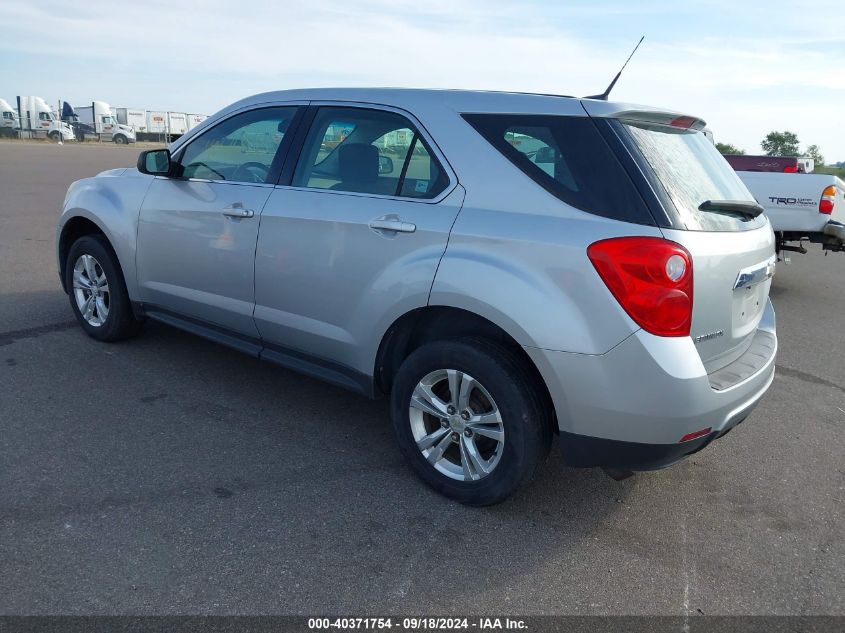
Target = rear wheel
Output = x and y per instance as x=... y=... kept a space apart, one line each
x=469 y=418
x=97 y=291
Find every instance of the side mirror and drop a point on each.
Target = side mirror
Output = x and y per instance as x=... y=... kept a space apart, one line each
x=155 y=162
x=385 y=164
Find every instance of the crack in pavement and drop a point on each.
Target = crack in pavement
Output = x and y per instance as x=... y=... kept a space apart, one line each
x=802 y=375
x=7 y=338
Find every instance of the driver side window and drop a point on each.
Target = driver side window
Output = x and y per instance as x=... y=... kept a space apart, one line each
x=241 y=149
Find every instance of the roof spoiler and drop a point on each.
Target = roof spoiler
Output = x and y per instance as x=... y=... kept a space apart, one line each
x=672 y=119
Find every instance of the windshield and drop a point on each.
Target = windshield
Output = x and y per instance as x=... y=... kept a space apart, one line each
x=692 y=171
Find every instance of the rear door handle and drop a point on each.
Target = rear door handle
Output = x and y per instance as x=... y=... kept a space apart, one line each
x=238 y=212
x=396 y=226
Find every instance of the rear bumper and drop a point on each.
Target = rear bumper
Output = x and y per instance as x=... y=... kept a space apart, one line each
x=629 y=408
x=582 y=451
x=834 y=236
x=835 y=230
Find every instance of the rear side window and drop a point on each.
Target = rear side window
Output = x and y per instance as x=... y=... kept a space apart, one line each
x=568 y=157
x=369 y=151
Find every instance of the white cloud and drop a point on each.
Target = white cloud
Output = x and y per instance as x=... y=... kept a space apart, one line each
x=200 y=56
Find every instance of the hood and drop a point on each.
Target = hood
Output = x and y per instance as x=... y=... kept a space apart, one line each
x=110 y=173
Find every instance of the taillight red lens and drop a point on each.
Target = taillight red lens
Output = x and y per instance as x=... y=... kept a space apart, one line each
x=651 y=279
x=683 y=121
x=828 y=197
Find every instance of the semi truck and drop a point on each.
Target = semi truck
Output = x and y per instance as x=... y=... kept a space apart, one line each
x=801 y=205
x=10 y=123
x=106 y=127
x=38 y=120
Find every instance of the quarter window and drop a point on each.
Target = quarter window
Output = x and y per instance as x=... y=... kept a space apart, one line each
x=568 y=157
x=367 y=151
x=240 y=149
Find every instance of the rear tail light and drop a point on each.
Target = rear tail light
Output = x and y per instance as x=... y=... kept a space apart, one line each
x=651 y=278
x=791 y=169
x=828 y=198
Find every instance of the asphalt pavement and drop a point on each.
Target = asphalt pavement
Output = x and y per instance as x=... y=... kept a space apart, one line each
x=169 y=475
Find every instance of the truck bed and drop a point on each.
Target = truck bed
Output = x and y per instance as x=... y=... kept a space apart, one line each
x=792 y=201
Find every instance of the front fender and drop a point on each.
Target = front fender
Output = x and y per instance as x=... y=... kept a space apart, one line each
x=111 y=201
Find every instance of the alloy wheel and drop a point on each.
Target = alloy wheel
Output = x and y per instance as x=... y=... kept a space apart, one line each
x=457 y=425
x=91 y=290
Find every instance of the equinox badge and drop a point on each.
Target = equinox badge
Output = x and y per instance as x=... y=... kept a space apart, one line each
x=707 y=337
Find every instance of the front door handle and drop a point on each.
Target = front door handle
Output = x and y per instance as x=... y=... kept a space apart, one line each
x=396 y=226
x=238 y=212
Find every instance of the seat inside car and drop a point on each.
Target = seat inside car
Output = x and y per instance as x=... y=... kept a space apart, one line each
x=357 y=168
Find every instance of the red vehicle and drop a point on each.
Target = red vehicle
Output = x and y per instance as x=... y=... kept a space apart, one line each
x=787 y=164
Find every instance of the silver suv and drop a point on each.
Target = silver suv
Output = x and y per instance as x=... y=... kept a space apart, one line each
x=506 y=267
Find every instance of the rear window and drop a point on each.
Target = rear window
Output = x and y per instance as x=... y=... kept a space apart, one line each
x=692 y=171
x=569 y=158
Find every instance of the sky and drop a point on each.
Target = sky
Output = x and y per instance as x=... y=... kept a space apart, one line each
x=744 y=67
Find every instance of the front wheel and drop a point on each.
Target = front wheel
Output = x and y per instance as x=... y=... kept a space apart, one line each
x=97 y=291
x=119 y=139
x=469 y=417
x=55 y=136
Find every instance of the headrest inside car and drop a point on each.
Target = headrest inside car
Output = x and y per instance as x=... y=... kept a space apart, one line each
x=358 y=162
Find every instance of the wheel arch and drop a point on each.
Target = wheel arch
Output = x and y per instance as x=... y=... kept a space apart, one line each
x=75 y=227
x=440 y=322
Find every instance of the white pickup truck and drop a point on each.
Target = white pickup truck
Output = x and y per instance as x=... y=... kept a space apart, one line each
x=801 y=205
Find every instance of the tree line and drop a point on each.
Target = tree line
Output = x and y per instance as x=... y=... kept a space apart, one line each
x=779 y=144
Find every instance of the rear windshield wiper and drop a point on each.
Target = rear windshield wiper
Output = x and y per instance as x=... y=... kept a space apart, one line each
x=741 y=207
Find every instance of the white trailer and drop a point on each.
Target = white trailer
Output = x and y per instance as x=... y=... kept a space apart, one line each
x=136 y=118
x=99 y=115
x=195 y=119
x=177 y=124
x=10 y=123
x=38 y=120
x=156 y=122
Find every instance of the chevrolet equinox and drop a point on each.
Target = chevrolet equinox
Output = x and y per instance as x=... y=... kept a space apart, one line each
x=505 y=267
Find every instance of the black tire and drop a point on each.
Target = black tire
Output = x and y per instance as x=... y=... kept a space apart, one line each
x=119 y=139
x=526 y=419
x=55 y=136
x=120 y=322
